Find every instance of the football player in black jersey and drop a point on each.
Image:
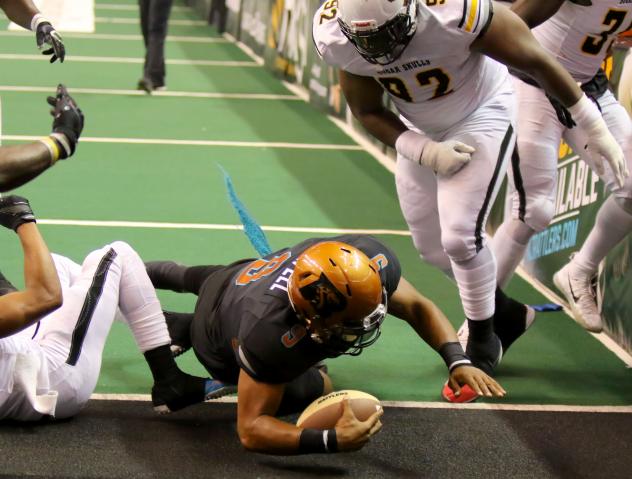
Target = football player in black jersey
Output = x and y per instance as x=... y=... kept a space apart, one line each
x=265 y=324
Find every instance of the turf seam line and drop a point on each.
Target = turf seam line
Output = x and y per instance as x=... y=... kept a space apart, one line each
x=179 y=94
x=419 y=405
x=173 y=62
x=221 y=227
x=232 y=144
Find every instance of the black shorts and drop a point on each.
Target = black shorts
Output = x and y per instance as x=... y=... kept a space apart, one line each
x=300 y=392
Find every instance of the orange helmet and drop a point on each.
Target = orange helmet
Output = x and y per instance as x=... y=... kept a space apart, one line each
x=338 y=287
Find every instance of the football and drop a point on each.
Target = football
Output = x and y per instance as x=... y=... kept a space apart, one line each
x=325 y=411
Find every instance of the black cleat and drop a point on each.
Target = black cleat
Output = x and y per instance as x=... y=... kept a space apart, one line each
x=179 y=326
x=178 y=392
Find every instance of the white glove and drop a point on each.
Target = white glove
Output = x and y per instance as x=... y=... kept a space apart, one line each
x=600 y=144
x=445 y=158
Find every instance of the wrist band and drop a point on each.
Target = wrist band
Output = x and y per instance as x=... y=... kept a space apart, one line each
x=410 y=145
x=585 y=113
x=36 y=20
x=317 y=441
x=53 y=148
x=453 y=355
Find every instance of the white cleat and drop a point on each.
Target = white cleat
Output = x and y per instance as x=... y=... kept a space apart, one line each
x=579 y=291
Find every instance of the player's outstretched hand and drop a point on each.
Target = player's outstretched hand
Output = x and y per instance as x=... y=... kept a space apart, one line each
x=46 y=35
x=353 y=434
x=446 y=157
x=15 y=211
x=476 y=379
x=68 y=121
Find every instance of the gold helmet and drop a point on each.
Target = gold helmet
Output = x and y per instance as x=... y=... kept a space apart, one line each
x=337 y=290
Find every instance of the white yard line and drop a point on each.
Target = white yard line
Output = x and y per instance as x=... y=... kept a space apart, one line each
x=232 y=144
x=136 y=21
x=120 y=37
x=179 y=94
x=420 y=405
x=126 y=7
x=220 y=227
x=91 y=59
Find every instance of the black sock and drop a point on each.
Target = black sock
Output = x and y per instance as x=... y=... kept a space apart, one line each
x=509 y=320
x=161 y=363
x=480 y=330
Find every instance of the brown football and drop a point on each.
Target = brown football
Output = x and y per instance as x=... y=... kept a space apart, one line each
x=325 y=411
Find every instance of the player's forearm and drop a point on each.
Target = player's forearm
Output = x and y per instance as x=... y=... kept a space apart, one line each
x=19 y=11
x=269 y=435
x=40 y=275
x=554 y=79
x=21 y=163
x=383 y=125
x=429 y=323
x=534 y=12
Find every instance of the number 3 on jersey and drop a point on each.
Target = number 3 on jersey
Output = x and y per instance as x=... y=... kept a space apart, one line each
x=397 y=87
x=261 y=268
x=613 y=19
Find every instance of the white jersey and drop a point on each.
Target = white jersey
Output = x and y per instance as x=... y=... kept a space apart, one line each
x=579 y=35
x=24 y=379
x=437 y=81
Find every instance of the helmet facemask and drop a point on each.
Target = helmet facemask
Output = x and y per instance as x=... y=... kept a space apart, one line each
x=382 y=44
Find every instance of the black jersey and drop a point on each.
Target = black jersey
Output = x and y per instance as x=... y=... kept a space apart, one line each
x=244 y=319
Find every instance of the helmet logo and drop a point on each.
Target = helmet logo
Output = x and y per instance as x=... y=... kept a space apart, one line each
x=324 y=297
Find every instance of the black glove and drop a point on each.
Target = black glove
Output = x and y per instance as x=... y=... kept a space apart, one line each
x=68 y=122
x=15 y=211
x=45 y=33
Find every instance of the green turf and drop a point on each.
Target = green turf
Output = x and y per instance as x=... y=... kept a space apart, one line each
x=180 y=118
x=124 y=76
x=555 y=362
x=175 y=50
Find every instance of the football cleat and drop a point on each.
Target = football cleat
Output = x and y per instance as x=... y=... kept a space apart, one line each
x=580 y=292
x=177 y=392
x=467 y=394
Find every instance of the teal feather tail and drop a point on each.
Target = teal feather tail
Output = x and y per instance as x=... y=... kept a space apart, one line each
x=253 y=231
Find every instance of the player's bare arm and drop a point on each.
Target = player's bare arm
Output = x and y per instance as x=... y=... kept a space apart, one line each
x=434 y=328
x=364 y=97
x=42 y=292
x=21 y=163
x=260 y=431
x=19 y=11
x=26 y=14
x=534 y=12
x=524 y=53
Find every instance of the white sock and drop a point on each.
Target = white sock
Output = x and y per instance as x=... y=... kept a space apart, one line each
x=509 y=244
x=476 y=278
x=139 y=303
x=612 y=224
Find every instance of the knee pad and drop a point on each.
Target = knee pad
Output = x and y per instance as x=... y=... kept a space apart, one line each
x=540 y=212
x=624 y=203
x=458 y=245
